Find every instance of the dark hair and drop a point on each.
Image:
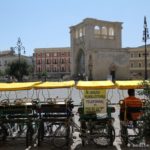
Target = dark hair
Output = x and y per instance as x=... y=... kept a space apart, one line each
x=131 y=92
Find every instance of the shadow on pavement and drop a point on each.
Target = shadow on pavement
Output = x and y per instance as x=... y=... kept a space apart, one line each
x=20 y=145
x=94 y=147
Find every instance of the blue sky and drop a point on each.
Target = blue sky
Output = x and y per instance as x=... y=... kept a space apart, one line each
x=45 y=23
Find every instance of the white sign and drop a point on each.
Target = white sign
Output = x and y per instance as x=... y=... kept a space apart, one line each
x=94 y=101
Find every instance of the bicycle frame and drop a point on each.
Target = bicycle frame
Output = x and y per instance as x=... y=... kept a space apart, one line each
x=102 y=128
x=16 y=117
x=132 y=131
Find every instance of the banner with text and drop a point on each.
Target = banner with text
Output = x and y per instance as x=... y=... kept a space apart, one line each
x=94 y=101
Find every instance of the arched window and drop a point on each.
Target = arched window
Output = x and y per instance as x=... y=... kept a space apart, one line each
x=76 y=34
x=80 y=33
x=83 y=31
x=80 y=60
x=97 y=31
x=111 y=33
x=104 y=32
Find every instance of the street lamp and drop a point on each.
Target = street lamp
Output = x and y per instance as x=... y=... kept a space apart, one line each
x=19 y=47
x=145 y=38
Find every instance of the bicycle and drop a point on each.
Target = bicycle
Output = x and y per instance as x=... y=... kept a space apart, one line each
x=97 y=130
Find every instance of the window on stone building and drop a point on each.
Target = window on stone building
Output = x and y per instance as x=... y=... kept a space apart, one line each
x=68 y=54
x=38 y=54
x=55 y=69
x=140 y=65
x=111 y=33
x=83 y=31
x=47 y=54
x=62 y=69
x=68 y=69
x=47 y=61
x=97 y=31
x=55 y=54
x=39 y=62
x=50 y=69
x=5 y=63
x=80 y=33
x=62 y=54
x=76 y=34
x=140 y=55
x=132 y=65
x=104 y=32
x=55 y=61
x=132 y=55
x=39 y=69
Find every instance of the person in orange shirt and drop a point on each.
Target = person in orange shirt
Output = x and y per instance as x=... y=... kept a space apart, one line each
x=130 y=109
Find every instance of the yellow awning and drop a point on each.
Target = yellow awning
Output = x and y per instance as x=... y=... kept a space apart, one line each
x=53 y=85
x=130 y=84
x=17 y=86
x=87 y=85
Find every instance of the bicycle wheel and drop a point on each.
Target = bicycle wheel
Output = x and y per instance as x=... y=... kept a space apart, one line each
x=3 y=133
x=29 y=134
x=111 y=133
x=124 y=135
x=103 y=135
x=61 y=136
x=83 y=133
x=138 y=133
x=40 y=133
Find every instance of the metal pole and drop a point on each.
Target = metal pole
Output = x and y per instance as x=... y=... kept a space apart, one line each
x=145 y=37
x=19 y=47
x=145 y=56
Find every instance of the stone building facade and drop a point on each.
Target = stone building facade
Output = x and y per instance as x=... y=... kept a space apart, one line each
x=137 y=62
x=96 y=50
x=54 y=61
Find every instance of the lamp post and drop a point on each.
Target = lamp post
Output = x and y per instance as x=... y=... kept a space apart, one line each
x=19 y=47
x=145 y=38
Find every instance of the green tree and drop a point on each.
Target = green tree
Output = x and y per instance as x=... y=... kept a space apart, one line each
x=2 y=73
x=18 y=69
x=146 y=93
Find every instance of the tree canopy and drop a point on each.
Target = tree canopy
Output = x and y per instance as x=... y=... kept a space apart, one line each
x=18 y=69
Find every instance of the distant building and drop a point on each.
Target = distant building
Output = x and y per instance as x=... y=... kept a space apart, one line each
x=137 y=62
x=96 y=48
x=8 y=56
x=95 y=53
x=54 y=61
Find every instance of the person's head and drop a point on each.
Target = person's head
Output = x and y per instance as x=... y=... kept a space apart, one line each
x=131 y=92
